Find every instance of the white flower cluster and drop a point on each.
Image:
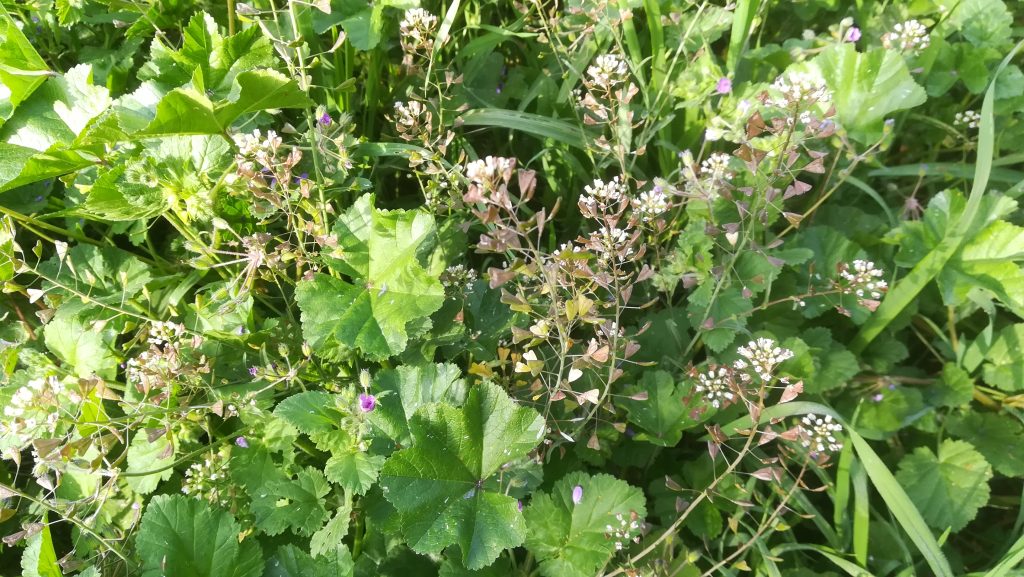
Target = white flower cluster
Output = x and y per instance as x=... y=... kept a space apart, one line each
x=800 y=89
x=458 y=277
x=763 y=355
x=164 y=332
x=608 y=71
x=37 y=403
x=416 y=27
x=819 y=433
x=408 y=114
x=716 y=386
x=624 y=530
x=203 y=480
x=909 y=37
x=611 y=242
x=488 y=171
x=252 y=144
x=968 y=118
x=716 y=167
x=603 y=194
x=651 y=203
x=863 y=279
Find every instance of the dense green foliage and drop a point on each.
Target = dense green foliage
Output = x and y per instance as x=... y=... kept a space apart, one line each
x=558 y=289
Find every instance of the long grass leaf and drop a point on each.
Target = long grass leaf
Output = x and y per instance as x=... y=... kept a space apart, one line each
x=527 y=122
x=885 y=483
x=742 y=18
x=907 y=289
x=1012 y=558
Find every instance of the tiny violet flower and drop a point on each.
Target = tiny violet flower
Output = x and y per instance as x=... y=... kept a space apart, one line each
x=367 y=402
x=577 y=495
x=853 y=34
x=519 y=505
x=326 y=120
x=241 y=442
x=253 y=371
x=724 y=85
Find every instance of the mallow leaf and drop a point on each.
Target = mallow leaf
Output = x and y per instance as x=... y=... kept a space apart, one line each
x=574 y=537
x=668 y=410
x=23 y=70
x=384 y=253
x=437 y=484
x=188 y=537
x=297 y=503
x=867 y=87
x=949 y=488
x=402 y=391
x=997 y=437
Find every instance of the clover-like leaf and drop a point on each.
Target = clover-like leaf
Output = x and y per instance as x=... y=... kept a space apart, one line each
x=190 y=538
x=867 y=87
x=437 y=485
x=949 y=488
x=573 y=537
x=383 y=253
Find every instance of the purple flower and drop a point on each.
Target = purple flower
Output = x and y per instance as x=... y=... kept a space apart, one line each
x=241 y=442
x=724 y=85
x=853 y=34
x=577 y=495
x=519 y=504
x=367 y=402
x=877 y=397
x=254 y=371
x=326 y=120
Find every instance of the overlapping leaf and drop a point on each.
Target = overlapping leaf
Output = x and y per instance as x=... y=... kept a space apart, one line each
x=383 y=253
x=437 y=485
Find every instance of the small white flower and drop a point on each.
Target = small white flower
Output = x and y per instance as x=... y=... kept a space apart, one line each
x=716 y=386
x=651 y=203
x=608 y=71
x=763 y=355
x=968 y=118
x=863 y=279
x=800 y=89
x=716 y=167
x=601 y=193
x=819 y=433
x=910 y=37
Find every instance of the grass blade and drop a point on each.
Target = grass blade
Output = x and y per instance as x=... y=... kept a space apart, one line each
x=535 y=124
x=1012 y=558
x=885 y=483
x=742 y=19
x=907 y=289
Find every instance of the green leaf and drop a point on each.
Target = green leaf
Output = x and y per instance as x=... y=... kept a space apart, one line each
x=298 y=504
x=290 y=561
x=354 y=470
x=954 y=389
x=328 y=539
x=384 y=252
x=436 y=485
x=948 y=489
x=80 y=337
x=106 y=275
x=984 y=23
x=39 y=559
x=573 y=540
x=312 y=412
x=867 y=88
x=189 y=538
x=668 y=410
x=402 y=391
x=906 y=290
x=21 y=68
x=145 y=456
x=997 y=437
x=1004 y=360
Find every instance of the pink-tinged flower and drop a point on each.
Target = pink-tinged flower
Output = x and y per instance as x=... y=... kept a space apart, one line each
x=367 y=402
x=853 y=34
x=325 y=119
x=241 y=442
x=519 y=505
x=724 y=85
x=577 y=495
